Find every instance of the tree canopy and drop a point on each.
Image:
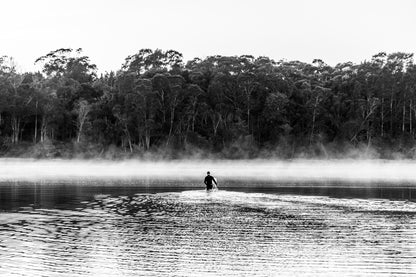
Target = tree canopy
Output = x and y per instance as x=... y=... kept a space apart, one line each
x=240 y=106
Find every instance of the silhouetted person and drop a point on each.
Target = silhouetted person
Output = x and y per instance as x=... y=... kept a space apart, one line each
x=208 y=181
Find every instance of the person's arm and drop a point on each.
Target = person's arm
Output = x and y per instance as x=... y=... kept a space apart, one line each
x=205 y=180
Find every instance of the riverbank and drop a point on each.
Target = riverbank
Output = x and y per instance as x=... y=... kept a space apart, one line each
x=285 y=150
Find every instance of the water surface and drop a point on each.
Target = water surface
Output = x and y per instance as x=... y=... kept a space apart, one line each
x=153 y=228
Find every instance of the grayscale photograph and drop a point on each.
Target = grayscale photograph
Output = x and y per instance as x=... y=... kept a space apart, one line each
x=207 y=138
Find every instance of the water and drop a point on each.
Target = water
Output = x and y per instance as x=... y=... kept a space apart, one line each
x=154 y=228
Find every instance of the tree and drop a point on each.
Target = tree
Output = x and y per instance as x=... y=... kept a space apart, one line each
x=147 y=106
x=216 y=103
x=153 y=62
x=69 y=63
x=16 y=97
x=82 y=109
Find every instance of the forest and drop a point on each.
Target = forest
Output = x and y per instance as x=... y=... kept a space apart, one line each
x=159 y=106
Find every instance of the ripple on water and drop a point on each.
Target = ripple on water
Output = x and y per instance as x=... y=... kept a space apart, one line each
x=225 y=233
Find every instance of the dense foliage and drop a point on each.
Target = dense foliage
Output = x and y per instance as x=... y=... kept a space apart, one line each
x=238 y=106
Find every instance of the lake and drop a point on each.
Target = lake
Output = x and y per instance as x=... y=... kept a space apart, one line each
x=151 y=227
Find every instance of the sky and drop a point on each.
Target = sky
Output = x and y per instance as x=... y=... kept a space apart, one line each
x=110 y=30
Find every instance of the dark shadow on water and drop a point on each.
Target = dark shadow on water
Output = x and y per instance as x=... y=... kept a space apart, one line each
x=140 y=229
x=71 y=195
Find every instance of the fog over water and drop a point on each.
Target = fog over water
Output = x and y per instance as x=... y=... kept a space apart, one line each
x=255 y=170
x=153 y=218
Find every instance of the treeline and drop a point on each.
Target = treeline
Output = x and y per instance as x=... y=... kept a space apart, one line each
x=238 y=106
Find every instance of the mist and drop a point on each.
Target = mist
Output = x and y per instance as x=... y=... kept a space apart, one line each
x=248 y=170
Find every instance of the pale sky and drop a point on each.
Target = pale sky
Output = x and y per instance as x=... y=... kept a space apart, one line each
x=110 y=30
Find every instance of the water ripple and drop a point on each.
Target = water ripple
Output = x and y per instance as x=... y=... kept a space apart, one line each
x=193 y=233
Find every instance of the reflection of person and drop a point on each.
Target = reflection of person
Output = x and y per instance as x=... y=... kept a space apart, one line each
x=208 y=181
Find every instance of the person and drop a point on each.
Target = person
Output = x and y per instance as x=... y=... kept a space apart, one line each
x=208 y=181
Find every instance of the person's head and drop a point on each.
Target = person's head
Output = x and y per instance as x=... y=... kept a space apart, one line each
x=208 y=173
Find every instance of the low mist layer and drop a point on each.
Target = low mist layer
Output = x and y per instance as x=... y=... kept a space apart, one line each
x=255 y=170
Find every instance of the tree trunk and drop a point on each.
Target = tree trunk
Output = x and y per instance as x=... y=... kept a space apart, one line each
x=366 y=114
x=215 y=123
x=403 y=115
x=248 y=93
x=194 y=114
x=128 y=138
x=162 y=104
x=248 y=120
x=391 y=114
x=410 y=117
x=382 y=117
x=21 y=132
x=147 y=139
x=79 y=133
x=172 y=114
x=35 y=138
x=313 y=119
x=81 y=125
x=130 y=145
x=172 y=117
x=83 y=112
x=43 y=129
x=15 y=129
